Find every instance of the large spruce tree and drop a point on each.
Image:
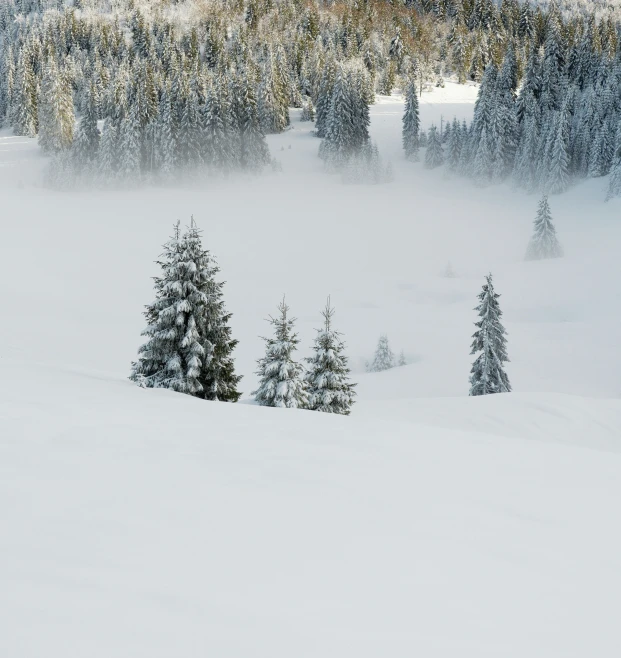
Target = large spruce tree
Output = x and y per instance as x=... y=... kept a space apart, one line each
x=173 y=355
x=189 y=346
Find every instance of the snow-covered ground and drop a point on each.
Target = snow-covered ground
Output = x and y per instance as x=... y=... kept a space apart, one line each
x=147 y=524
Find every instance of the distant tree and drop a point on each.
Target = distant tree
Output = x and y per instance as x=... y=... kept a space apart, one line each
x=544 y=243
x=281 y=380
x=454 y=146
x=434 y=156
x=489 y=342
x=384 y=359
x=614 y=184
x=402 y=361
x=329 y=387
x=411 y=123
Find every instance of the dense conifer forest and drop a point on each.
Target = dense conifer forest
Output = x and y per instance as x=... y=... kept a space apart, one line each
x=126 y=91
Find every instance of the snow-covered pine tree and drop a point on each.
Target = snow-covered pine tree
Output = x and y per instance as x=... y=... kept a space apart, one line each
x=559 y=158
x=130 y=147
x=324 y=97
x=544 y=243
x=614 y=184
x=327 y=377
x=434 y=156
x=107 y=160
x=383 y=359
x=281 y=379
x=254 y=151
x=454 y=146
x=489 y=342
x=85 y=146
x=402 y=361
x=55 y=106
x=173 y=355
x=411 y=122
x=217 y=376
x=308 y=113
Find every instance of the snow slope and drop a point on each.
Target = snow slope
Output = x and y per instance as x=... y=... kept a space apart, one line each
x=141 y=523
x=148 y=524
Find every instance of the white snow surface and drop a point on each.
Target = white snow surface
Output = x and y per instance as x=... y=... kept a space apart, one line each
x=146 y=524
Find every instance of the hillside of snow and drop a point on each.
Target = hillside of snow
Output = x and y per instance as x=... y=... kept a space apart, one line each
x=147 y=524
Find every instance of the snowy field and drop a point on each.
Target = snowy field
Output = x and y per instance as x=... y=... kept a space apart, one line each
x=145 y=524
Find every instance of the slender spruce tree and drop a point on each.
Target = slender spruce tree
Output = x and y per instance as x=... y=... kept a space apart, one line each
x=329 y=387
x=411 y=123
x=490 y=344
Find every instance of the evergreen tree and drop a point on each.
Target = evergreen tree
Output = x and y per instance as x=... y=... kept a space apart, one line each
x=434 y=156
x=329 y=386
x=217 y=377
x=324 y=98
x=614 y=184
x=281 y=381
x=173 y=355
x=544 y=243
x=487 y=374
x=454 y=146
x=56 y=117
x=130 y=147
x=411 y=123
x=86 y=143
x=402 y=361
x=107 y=161
x=384 y=359
x=559 y=159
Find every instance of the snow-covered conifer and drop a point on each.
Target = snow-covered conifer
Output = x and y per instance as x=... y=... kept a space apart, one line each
x=411 y=122
x=489 y=342
x=217 y=376
x=383 y=359
x=544 y=243
x=329 y=386
x=173 y=355
x=434 y=156
x=281 y=379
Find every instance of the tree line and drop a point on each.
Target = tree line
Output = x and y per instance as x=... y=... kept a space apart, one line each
x=183 y=86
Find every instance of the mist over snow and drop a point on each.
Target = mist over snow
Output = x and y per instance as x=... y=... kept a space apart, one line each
x=144 y=523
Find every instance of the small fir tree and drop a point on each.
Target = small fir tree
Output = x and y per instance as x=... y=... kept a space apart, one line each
x=490 y=343
x=544 y=243
x=281 y=381
x=329 y=386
